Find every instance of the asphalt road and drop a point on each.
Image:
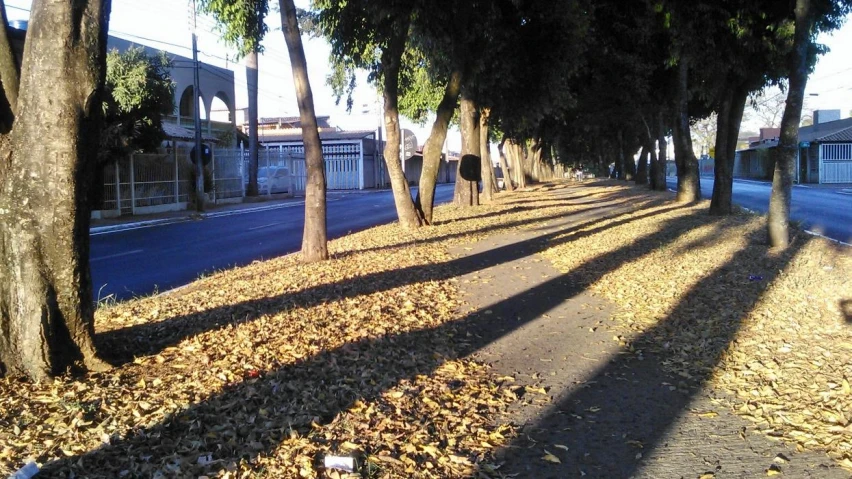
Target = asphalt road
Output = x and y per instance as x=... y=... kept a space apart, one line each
x=157 y=258
x=827 y=211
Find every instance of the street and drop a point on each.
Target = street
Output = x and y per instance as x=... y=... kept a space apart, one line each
x=826 y=211
x=153 y=259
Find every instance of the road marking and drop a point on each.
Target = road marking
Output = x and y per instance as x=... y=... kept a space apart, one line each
x=263 y=226
x=117 y=255
x=814 y=233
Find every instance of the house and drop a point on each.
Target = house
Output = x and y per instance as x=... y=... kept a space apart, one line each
x=413 y=166
x=824 y=156
x=352 y=158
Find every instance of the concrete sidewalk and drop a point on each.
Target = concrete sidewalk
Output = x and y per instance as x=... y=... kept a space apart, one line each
x=607 y=412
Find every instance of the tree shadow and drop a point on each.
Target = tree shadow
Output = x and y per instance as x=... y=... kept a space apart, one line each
x=262 y=411
x=631 y=403
x=121 y=346
x=519 y=207
x=565 y=218
x=846 y=309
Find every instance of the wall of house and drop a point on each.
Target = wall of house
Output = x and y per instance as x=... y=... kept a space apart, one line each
x=754 y=164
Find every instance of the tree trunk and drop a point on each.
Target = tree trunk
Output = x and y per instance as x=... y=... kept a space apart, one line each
x=391 y=61
x=425 y=201
x=489 y=185
x=46 y=310
x=642 y=166
x=659 y=180
x=251 y=80
x=785 y=153
x=518 y=163
x=10 y=76
x=618 y=168
x=629 y=162
x=467 y=182
x=728 y=122
x=688 y=181
x=314 y=240
x=504 y=165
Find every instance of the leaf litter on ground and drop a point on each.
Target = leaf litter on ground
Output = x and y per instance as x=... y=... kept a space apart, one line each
x=262 y=371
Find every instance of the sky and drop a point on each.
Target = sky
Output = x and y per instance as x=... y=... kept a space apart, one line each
x=166 y=24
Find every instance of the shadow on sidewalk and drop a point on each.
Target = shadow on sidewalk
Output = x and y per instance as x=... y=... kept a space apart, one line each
x=122 y=345
x=620 y=416
x=321 y=386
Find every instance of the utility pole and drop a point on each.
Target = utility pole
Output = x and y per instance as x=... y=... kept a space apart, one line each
x=199 y=163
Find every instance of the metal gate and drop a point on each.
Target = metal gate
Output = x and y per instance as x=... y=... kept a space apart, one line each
x=835 y=163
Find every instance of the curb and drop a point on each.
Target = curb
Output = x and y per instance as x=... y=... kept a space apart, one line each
x=99 y=230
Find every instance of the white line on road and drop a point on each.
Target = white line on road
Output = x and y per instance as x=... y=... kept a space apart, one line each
x=263 y=226
x=814 y=233
x=117 y=255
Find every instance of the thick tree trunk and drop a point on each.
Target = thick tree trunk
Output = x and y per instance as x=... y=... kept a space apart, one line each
x=314 y=240
x=504 y=165
x=518 y=163
x=467 y=182
x=688 y=181
x=659 y=179
x=629 y=162
x=46 y=310
x=489 y=184
x=785 y=153
x=728 y=122
x=391 y=61
x=534 y=157
x=251 y=80
x=425 y=201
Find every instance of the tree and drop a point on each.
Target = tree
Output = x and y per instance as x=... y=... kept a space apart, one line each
x=242 y=25
x=470 y=164
x=372 y=36
x=46 y=310
x=810 y=17
x=138 y=92
x=314 y=240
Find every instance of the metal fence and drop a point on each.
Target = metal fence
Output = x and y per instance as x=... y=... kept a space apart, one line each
x=156 y=182
x=153 y=183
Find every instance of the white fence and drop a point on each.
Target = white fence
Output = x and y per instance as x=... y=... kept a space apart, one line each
x=153 y=183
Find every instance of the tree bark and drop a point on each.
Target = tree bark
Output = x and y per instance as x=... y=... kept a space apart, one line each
x=728 y=122
x=489 y=184
x=390 y=64
x=517 y=158
x=46 y=310
x=252 y=81
x=9 y=76
x=504 y=165
x=688 y=180
x=785 y=154
x=642 y=166
x=314 y=240
x=659 y=180
x=629 y=162
x=425 y=201
x=618 y=168
x=467 y=190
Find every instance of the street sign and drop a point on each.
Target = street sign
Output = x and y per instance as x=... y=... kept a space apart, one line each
x=804 y=144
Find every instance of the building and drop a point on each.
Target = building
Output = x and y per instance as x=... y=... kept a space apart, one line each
x=825 y=152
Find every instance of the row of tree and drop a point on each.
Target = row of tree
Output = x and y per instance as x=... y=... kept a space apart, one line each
x=556 y=82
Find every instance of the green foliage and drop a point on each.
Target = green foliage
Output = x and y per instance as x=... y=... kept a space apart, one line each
x=420 y=91
x=139 y=91
x=242 y=24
